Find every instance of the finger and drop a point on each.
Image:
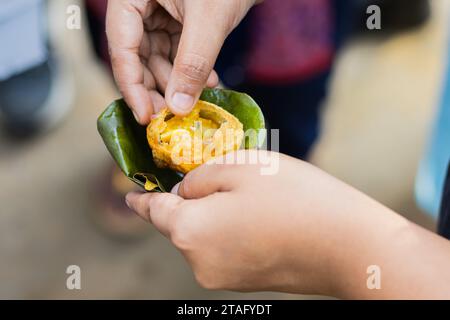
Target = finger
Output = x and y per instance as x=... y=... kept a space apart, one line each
x=161 y=69
x=125 y=31
x=213 y=80
x=155 y=208
x=208 y=179
x=157 y=100
x=201 y=39
x=174 y=41
x=139 y=100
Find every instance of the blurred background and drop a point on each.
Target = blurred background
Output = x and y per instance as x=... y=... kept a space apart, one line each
x=364 y=105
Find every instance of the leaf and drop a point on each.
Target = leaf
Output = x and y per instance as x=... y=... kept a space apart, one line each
x=126 y=140
x=243 y=107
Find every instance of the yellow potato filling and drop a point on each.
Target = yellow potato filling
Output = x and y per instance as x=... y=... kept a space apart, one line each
x=183 y=143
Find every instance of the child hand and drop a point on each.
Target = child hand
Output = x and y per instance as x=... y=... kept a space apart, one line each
x=297 y=230
x=241 y=230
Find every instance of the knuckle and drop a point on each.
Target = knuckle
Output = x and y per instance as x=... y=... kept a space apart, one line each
x=114 y=56
x=156 y=202
x=179 y=238
x=194 y=68
x=207 y=280
x=180 y=233
x=187 y=185
x=222 y=167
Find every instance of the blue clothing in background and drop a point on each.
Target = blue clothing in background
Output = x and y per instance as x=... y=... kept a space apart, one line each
x=23 y=40
x=432 y=170
x=444 y=216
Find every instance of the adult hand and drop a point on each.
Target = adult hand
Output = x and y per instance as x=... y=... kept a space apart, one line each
x=168 y=48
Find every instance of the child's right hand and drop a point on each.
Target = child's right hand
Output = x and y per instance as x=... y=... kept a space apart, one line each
x=297 y=230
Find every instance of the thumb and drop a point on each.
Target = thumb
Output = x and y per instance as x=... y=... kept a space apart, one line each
x=201 y=40
x=156 y=208
x=206 y=180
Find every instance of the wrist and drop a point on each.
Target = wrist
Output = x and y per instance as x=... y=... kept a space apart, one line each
x=365 y=250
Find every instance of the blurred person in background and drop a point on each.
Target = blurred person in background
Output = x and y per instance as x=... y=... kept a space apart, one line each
x=281 y=54
x=430 y=180
x=35 y=93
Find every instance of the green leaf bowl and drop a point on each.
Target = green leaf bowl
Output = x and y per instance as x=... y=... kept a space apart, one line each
x=126 y=140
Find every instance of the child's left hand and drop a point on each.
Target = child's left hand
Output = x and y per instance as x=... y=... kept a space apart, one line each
x=298 y=230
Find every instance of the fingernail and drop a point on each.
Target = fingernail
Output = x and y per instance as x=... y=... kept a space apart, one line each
x=182 y=102
x=175 y=188
x=127 y=202
x=136 y=116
